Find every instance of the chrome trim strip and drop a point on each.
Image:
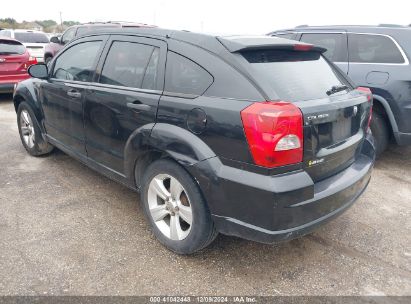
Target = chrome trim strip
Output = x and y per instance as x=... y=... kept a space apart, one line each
x=110 y=86
x=81 y=84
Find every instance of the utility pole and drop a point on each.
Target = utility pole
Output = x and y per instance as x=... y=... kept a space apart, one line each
x=61 y=22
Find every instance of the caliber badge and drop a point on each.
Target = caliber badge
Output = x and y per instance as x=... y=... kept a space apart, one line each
x=315 y=162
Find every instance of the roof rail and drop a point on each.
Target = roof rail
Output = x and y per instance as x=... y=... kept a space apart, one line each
x=390 y=25
x=114 y=21
x=302 y=25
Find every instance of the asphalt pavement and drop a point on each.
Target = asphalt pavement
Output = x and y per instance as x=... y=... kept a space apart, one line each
x=66 y=230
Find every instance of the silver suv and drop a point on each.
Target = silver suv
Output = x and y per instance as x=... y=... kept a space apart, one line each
x=376 y=57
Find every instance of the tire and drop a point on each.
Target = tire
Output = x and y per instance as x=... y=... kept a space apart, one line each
x=380 y=132
x=30 y=133
x=189 y=238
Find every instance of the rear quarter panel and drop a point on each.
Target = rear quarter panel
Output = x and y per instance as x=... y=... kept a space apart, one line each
x=222 y=103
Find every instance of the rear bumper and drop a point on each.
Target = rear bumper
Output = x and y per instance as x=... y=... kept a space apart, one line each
x=7 y=82
x=6 y=87
x=37 y=53
x=40 y=59
x=270 y=209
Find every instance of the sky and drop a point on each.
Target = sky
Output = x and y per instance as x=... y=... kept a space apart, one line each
x=216 y=16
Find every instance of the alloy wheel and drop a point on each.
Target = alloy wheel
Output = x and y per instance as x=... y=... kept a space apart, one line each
x=27 y=129
x=170 y=207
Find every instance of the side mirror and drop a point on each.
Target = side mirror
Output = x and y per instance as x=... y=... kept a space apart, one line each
x=39 y=70
x=55 y=39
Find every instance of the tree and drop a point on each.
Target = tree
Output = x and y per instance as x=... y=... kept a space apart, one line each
x=70 y=23
x=8 y=20
x=46 y=23
x=8 y=23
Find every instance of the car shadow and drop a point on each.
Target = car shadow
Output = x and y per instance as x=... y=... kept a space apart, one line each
x=395 y=156
x=222 y=245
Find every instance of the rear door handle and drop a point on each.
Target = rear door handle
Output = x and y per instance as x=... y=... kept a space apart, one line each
x=138 y=106
x=74 y=93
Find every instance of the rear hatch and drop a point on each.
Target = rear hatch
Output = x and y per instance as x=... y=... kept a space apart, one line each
x=335 y=115
x=34 y=42
x=13 y=57
x=334 y=129
x=35 y=50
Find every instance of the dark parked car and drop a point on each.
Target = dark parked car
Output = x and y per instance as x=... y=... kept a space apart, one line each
x=376 y=57
x=256 y=137
x=58 y=42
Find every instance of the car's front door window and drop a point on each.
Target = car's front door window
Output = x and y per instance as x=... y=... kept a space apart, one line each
x=77 y=63
x=68 y=36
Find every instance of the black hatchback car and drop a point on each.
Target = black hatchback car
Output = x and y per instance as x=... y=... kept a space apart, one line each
x=376 y=57
x=256 y=137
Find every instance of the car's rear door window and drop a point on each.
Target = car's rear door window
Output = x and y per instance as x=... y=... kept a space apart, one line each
x=295 y=75
x=126 y=64
x=185 y=76
x=10 y=47
x=367 y=48
x=77 y=62
x=335 y=43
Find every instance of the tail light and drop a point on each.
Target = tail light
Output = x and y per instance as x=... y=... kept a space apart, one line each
x=274 y=131
x=303 y=47
x=366 y=91
x=369 y=98
x=31 y=61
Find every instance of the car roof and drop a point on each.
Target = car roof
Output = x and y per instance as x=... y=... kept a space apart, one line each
x=350 y=28
x=27 y=31
x=113 y=23
x=206 y=41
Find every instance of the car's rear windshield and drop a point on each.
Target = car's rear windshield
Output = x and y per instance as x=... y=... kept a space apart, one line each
x=295 y=75
x=10 y=47
x=28 y=37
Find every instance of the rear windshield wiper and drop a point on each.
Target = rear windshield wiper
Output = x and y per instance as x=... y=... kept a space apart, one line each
x=336 y=89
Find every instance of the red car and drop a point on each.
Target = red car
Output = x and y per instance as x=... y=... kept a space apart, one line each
x=14 y=62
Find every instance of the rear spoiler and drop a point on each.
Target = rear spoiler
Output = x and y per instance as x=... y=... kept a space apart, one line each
x=251 y=43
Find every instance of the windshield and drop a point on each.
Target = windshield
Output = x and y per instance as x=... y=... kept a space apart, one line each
x=29 y=37
x=10 y=47
x=296 y=75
